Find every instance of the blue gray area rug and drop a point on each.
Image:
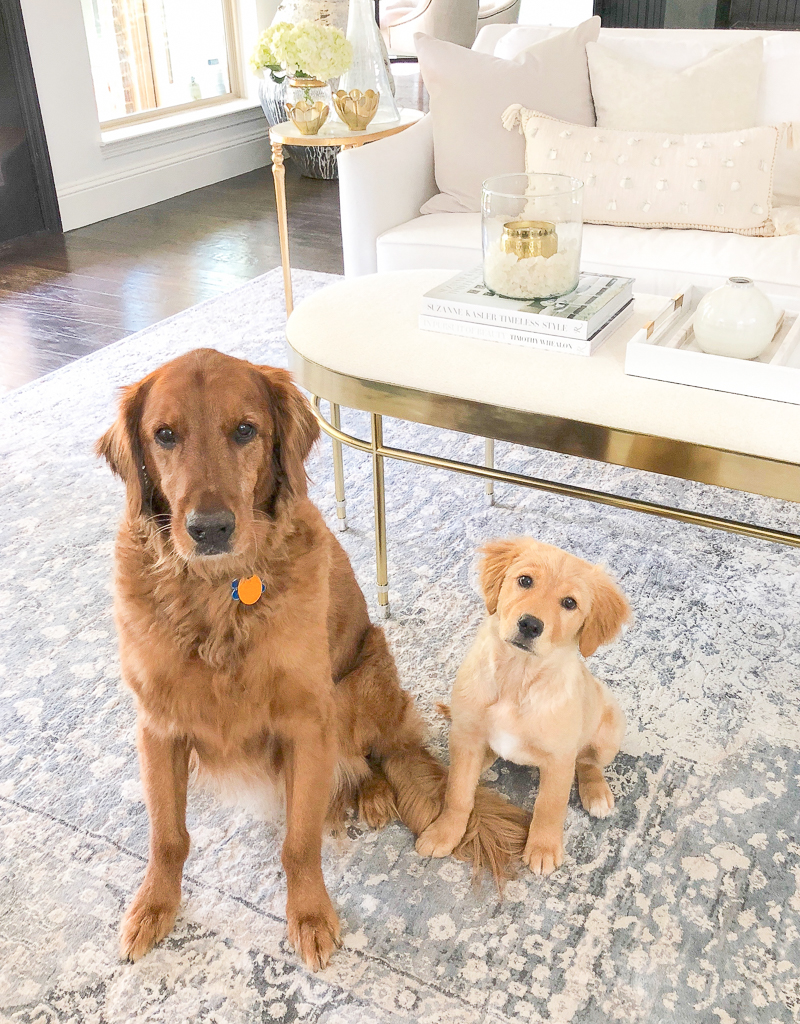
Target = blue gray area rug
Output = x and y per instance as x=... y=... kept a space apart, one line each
x=683 y=906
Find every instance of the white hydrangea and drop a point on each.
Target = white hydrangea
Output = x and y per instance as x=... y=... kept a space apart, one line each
x=305 y=50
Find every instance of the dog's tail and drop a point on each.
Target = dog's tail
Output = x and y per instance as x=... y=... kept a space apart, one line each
x=496 y=832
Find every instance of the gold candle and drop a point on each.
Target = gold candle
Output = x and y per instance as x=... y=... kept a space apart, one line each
x=526 y=238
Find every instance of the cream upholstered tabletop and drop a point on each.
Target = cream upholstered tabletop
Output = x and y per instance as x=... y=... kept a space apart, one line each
x=366 y=327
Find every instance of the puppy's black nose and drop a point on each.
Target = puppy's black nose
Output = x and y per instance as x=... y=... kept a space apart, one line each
x=211 y=531
x=530 y=627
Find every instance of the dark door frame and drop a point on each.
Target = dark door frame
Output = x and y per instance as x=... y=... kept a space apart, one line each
x=22 y=69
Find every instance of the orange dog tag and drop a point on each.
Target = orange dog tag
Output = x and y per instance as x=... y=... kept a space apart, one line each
x=249 y=590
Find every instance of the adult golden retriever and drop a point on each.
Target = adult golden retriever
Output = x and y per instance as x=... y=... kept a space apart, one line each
x=524 y=692
x=297 y=690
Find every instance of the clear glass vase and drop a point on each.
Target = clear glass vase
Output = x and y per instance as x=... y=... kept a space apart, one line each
x=532 y=227
x=368 y=70
x=308 y=103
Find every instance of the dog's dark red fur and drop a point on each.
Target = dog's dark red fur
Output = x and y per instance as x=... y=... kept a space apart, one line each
x=298 y=690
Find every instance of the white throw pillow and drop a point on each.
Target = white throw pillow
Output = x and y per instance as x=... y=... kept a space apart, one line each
x=469 y=92
x=715 y=181
x=718 y=94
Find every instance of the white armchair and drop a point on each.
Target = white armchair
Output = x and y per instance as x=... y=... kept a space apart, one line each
x=453 y=20
x=498 y=12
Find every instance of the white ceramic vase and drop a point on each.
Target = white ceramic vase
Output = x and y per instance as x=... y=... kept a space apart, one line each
x=735 y=320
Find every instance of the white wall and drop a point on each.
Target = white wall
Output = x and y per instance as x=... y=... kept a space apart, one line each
x=95 y=182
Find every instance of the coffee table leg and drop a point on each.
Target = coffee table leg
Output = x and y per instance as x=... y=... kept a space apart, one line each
x=380 y=515
x=279 y=174
x=338 y=471
x=488 y=461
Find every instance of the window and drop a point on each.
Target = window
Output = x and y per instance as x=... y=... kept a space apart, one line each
x=151 y=57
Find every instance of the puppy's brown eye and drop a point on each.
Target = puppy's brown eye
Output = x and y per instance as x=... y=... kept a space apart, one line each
x=569 y=603
x=166 y=437
x=525 y=582
x=244 y=432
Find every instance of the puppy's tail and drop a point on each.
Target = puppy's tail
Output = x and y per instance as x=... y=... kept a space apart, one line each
x=496 y=832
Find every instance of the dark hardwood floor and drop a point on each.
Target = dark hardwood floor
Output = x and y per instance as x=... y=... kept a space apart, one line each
x=63 y=296
x=66 y=295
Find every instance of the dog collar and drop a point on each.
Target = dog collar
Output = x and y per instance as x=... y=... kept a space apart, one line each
x=248 y=591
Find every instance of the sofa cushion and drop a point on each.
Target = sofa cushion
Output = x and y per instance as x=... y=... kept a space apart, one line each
x=716 y=181
x=469 y=92
x=717 y=94
x=661 y=260
x=676 y=49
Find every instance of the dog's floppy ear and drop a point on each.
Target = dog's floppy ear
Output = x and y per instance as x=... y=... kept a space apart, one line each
x=608 y=613
x=296 y=430
x=121 y=447
x=497 y=555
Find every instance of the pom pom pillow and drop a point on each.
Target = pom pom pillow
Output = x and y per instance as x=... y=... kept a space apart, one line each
x=714 y=181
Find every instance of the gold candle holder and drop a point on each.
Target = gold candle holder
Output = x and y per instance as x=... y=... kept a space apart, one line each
x=356 y=108
x=526 y=238
x=307 y=115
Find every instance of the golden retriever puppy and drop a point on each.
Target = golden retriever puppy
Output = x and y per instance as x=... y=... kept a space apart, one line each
x=524 y=693
x=247 y=644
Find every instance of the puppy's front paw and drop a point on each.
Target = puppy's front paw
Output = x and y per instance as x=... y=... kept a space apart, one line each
x=543 y=853
x=597 y=798
x=314 y=934
x=146 y=922
x=441 y=837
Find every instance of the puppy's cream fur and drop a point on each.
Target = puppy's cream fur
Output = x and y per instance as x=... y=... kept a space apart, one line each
x=524 y=693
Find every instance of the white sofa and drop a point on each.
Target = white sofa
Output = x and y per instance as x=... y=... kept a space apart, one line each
x=383 y=185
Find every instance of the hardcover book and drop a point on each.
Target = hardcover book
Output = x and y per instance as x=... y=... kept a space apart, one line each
x=577 y=315
x=531 y=339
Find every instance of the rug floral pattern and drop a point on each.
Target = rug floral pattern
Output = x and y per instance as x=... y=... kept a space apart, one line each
x=683 y=906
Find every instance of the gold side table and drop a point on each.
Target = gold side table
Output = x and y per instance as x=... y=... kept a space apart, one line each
x=334 y=133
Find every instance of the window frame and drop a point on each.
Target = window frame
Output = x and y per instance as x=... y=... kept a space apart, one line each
x=235 y=79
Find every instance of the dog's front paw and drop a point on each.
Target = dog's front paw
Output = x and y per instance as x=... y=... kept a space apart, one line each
x=376 y=805
x=543 y=853
x=314 y=934
x=441 y=837
x=147 y=921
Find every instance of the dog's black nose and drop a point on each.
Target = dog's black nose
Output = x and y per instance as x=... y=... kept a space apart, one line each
x=530 y=627
x=211 y=531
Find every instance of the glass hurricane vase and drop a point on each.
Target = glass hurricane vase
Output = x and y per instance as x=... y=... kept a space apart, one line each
x=532 y=226
x=368 y=71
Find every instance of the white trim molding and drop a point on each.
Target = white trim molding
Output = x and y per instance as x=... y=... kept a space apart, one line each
x=229 y=144
x=188 y=124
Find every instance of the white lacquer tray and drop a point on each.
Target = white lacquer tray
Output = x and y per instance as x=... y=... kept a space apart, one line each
x=666 y=349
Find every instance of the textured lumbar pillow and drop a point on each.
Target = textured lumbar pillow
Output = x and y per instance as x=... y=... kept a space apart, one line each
x=469 y=92
x=717 y=94
x=716 y=181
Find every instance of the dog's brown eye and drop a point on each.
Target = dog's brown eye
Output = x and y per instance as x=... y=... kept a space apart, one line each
x=166 y=437
x=525 y=582
x=569 y=603
x=244 y=432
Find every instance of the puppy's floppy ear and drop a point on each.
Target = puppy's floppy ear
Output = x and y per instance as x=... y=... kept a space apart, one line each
x=497 y=556
x=608 y=613
x=295 y=431
x=121 y=447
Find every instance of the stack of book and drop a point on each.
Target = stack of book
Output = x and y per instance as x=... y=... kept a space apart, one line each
x=577 y=322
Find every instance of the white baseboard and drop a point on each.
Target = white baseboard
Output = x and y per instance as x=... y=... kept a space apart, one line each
x=164 y=176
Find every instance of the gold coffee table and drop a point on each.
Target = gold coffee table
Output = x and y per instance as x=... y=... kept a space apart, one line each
x=333 y=133
x=357 y=344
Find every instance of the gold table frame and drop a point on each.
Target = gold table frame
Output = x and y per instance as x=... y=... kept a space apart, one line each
x=700 y=463
x=333 y=133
